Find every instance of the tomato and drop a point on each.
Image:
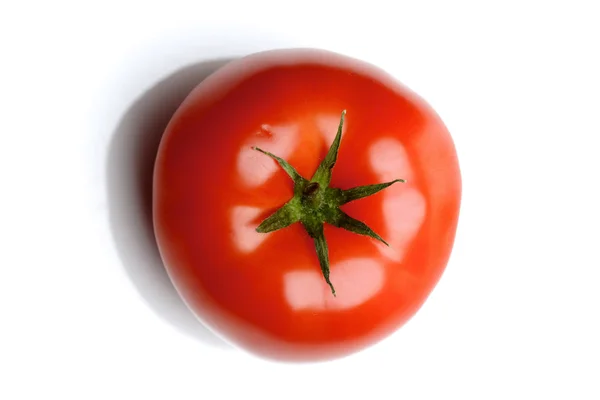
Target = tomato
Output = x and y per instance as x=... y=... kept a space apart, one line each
x=218 y=183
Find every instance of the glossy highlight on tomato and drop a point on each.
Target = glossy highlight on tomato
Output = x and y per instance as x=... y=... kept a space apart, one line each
x=263 y=291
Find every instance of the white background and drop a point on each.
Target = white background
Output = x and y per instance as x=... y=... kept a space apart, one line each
x=86 y=312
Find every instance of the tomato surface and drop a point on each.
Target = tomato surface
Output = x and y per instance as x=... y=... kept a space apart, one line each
x=265 y=292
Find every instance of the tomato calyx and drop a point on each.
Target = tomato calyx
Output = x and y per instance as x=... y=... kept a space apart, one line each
x=314 y=203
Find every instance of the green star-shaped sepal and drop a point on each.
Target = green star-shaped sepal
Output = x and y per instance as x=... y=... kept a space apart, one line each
x=315 y=203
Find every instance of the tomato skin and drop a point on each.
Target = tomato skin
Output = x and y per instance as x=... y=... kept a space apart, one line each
x=265 y=292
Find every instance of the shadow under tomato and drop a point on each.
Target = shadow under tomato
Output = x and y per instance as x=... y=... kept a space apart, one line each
x=130 y=165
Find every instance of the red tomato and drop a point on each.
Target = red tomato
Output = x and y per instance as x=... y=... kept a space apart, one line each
x=265 y=292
